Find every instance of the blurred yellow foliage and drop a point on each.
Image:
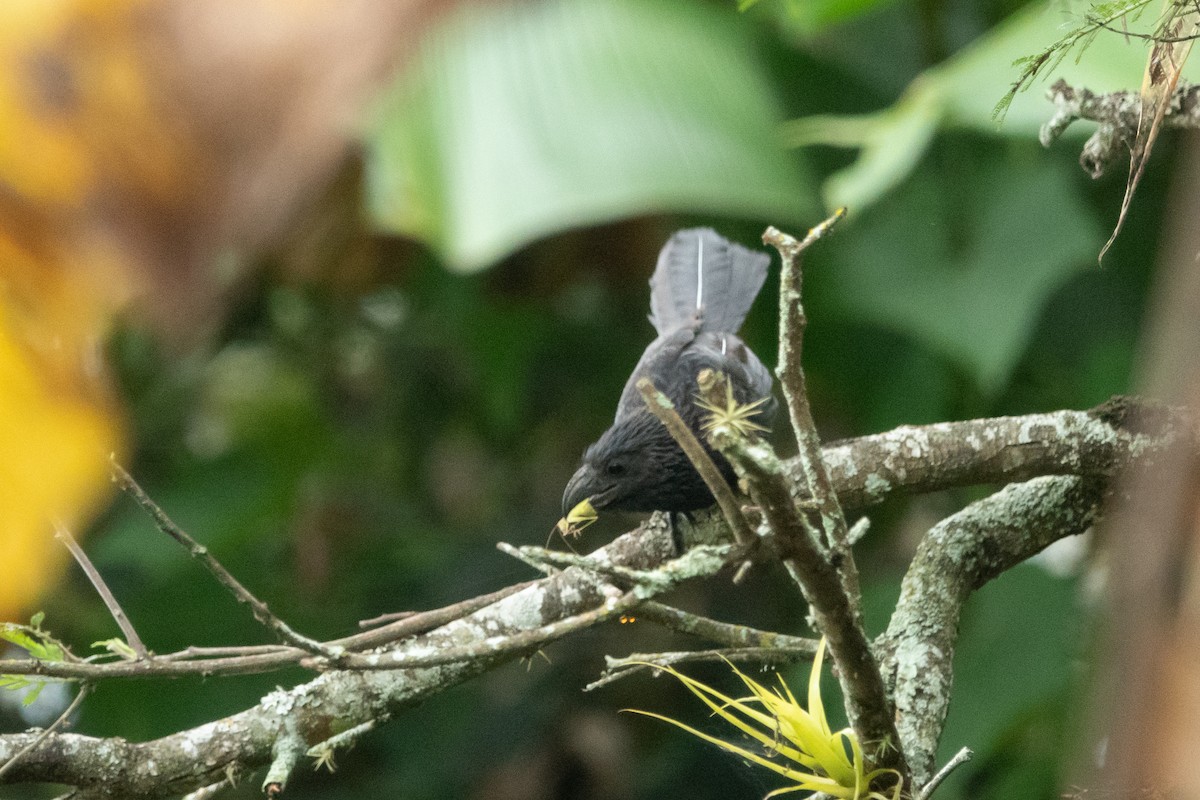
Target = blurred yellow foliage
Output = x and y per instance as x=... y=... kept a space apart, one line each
x=75 y=121
x=139 y=141
x=53 y=465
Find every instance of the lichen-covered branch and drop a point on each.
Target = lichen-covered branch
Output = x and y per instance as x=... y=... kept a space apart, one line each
x=1093 y=445
x=956 y=557
x=913 y=460
x=1117 y=115
x=336 y=700
x=865 y=471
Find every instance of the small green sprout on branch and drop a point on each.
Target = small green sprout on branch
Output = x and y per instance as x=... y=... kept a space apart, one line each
x=40 y=645
x=799 y=743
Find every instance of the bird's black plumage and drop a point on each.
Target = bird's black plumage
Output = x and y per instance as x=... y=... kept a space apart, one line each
x=701 y=291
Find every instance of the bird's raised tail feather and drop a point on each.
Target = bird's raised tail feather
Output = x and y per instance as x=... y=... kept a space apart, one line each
x=698 y=269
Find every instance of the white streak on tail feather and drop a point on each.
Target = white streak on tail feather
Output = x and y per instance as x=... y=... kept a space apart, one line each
x=700 y=275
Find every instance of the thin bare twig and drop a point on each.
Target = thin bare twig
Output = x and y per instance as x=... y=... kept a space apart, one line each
x=617 y=668
x=45 y=734
x=194 y=653
x=790 y=371
x=733 y=636
x=423 y=621
x=525 y=641
x=384 y=619
x=243 y=595
x=960 y=758
x=250 y=659
x=661 y=406
x=110 y=601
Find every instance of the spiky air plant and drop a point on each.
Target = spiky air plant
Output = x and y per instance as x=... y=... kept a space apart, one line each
x=738 y=416
x=796 y=743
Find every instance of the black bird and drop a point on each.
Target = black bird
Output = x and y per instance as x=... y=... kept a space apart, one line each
x=700 y=293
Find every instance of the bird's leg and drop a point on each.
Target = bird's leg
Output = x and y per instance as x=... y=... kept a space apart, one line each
x=673 y=520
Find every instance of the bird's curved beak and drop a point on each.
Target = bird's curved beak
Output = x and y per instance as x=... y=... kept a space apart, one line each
x=585 y=485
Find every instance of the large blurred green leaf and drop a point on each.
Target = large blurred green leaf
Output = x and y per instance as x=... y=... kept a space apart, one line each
x=962 y=92
x=520 y=120
x=810 y=17
x=967 y=274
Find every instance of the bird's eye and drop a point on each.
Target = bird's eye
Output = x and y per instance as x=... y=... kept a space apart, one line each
x=615 y=469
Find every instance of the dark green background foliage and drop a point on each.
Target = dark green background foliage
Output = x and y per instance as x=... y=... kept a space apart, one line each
x=415 y=382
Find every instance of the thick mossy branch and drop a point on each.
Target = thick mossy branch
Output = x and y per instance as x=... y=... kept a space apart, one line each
x=956 y=557
x=865 y=471
x=913 y=460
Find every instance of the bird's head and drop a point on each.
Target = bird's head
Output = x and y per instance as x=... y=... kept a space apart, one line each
x=608 y=478
x=636 y=466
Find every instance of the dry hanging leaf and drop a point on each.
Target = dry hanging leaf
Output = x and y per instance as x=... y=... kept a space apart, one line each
x=1172 y=45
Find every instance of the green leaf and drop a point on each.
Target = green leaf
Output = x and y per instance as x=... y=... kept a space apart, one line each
x=117 y=647
x=13 y=682
x=965 y=274
x=35 y=690
x=519 y=120
x=1015 y=664
x=39 y=645
x=810 y=17
x=892 y=143
x=962 y=92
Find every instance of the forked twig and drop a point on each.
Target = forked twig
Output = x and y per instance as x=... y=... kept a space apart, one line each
x=243 y=595
x=114 y=608
x=790 y=371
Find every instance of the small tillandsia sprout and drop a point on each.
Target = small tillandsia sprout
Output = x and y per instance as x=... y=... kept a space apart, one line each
x=577 y=519
x=737 y=416
x=798 y=742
